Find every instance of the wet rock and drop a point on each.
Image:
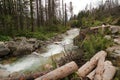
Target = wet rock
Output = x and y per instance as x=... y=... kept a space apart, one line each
x=4 y=74
x=19 y=48
x=3 y=50
x=37 y=44
x=23 y=48
x=12 y=45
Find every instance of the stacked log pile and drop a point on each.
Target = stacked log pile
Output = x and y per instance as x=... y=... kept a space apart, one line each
x=95 y=69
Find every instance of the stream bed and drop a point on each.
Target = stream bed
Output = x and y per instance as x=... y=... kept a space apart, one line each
x=35 y=60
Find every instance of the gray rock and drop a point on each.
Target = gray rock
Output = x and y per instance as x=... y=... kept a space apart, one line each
x=20 y=39
x=19 y=47
x=4 y=73
x=108 y=37
x=2 y=43
x=4 y=51
x=32 y=40
x=113 y=48
x=115 y=29
x=117 y=51
x=23 y=48
x=117 y=40
x=12 y=45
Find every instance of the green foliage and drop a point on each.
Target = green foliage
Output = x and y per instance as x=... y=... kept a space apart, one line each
x=73 y=23
x=4 y=38
x=100 y=15
x=95 y=43
x=43 y=33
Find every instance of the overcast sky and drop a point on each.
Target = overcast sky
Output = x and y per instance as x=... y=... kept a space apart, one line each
x=81 y=4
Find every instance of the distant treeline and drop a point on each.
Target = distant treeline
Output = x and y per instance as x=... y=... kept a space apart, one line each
x=29 y=15
x=106 y=13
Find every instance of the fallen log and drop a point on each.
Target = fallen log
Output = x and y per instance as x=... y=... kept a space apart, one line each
x=31 y=76
x=61 y=72
x=100 y=68
x=109 y=72
x=90 y=65
x=91 y=75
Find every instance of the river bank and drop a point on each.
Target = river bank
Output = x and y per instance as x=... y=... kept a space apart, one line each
x=31 y=62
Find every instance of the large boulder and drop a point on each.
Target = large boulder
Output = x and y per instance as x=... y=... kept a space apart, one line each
x=36 y=43
x=23 y=46
x=3 y=50
x=12 y=45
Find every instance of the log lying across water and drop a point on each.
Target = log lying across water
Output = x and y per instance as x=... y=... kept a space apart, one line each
x=61 y=72
x=90 y=65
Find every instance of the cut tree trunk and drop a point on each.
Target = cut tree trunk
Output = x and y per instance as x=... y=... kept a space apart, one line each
x=109 y=72
x=31 y=76
x=61 y=72
x=100 y=68
x=90 y=65
x=91 y=75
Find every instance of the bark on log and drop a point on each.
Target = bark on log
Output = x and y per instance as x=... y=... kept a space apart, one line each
x=90 y=65
x=100 y=68
x=60 y=72
x=109 y=72
x=31 y=76
x=91 y=75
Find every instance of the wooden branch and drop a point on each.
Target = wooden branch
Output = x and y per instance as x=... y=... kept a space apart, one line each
x=60 y=72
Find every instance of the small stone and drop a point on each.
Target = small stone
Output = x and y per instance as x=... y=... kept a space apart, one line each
x=108 y=37
x=117 y=40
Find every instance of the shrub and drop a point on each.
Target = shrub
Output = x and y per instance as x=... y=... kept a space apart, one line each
x=95 y=43
x=4 y=38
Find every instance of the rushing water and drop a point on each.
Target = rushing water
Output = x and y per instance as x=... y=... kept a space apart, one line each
x=35 y=60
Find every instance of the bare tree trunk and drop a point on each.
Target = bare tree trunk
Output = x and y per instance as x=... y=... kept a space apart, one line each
x=31 y=14
x=37 y=7
x=60 y=72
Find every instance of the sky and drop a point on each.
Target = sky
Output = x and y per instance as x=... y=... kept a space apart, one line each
x=79 y=5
